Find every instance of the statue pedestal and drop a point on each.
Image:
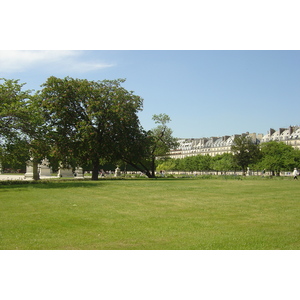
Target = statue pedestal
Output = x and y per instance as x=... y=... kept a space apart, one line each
x=79 y=173
x=32 y=171
x=65 y=173
x=29 y=170
x=44 y=168
x=45 y=171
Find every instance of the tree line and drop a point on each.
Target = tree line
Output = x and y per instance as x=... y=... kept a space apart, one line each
x=78 y=122
x=271 y=156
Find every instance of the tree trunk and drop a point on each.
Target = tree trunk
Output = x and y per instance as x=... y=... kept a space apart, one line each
x=36 y=175
x=95 y=171
x=153 y=168
x=150 y=175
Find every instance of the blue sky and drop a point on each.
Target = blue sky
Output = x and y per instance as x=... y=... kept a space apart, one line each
x=206 y=93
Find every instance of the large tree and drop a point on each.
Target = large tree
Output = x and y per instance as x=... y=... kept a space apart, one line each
x=21 y=124
x=89 y=120
x=142 y=148
x=245 y=151
x=162 y=140
x=13 y=104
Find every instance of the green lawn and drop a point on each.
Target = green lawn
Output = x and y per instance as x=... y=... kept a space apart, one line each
x=151 y=214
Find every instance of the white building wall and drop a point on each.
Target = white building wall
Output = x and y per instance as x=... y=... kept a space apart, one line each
x=219 y=145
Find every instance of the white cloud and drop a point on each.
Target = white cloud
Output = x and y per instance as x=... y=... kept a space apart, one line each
x=86 y=67
x=19 y=61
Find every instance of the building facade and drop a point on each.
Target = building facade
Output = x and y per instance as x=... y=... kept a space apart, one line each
x=219 y=145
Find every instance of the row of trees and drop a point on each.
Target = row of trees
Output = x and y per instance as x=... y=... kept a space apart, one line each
x=272 y=156
x=78 y=122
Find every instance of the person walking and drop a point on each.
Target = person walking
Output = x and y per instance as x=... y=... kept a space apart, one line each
x=295 y=174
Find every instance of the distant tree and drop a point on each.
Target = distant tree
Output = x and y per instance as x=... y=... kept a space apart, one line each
x=297 y=158
x=180 y=164
x=245 y=152
x=204 y=162
x=223 y=163
x=168 y=164
x=277 y=156
x=189 y=164
x=194 y=163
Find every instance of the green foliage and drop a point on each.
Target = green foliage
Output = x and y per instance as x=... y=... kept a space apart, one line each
x=162 y=135
x=79 y=122
x=277 y=156
x=21 y=125
x=189 y=163
x=89 y=120
x=14 y=154
x=245 y=152
x=155 y=143
x=13 y=108
x=166 y=164
x=224 y=162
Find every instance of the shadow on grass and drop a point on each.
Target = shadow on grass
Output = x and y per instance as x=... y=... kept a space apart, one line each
x=71 y=183
x=49 y=184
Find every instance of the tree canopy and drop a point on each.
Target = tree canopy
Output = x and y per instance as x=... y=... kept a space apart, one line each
x=21 y=124
x=144 y=147
x=89 y=120
x=277 y=156
x=13 y=109
x=80 y=122
x=245 y=151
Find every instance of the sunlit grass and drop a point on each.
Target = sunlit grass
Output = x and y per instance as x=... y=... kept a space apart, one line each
x=151 y=214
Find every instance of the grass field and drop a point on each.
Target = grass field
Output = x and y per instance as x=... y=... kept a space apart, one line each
x=151 y=214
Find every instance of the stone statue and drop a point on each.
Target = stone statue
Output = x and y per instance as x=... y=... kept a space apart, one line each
x=117 y=171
